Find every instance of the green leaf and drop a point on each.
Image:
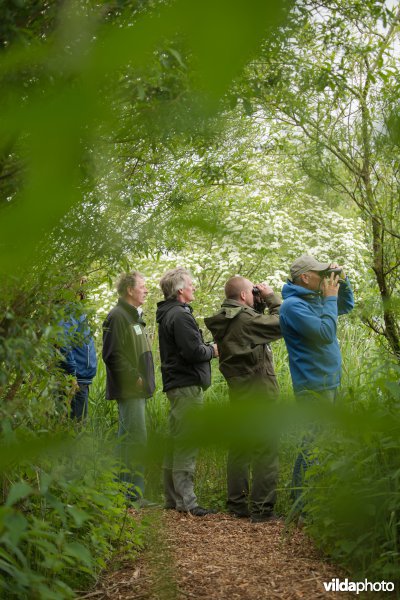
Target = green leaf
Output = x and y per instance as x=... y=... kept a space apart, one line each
x=177 y=56
x=10 y=569
x=80 y=552
x=347 y=545
x=79 y=516
x=18 y=491
x=16 y=526
x=18 y=451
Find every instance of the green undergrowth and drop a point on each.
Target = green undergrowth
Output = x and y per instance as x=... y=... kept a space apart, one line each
x=63 y=518
x=353 y=488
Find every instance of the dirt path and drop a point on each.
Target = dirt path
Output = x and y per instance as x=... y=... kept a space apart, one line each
x=219 y=557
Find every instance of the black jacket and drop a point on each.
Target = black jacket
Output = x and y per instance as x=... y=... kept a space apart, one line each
x=127 y=354
x=185 y=358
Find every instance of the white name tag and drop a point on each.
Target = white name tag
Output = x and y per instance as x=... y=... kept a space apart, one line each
x=138 y=329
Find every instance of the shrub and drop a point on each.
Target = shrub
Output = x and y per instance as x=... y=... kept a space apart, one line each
x=63 y=518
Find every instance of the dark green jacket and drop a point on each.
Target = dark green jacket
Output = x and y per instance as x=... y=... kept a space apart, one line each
x=243 y=337
x=127 y=354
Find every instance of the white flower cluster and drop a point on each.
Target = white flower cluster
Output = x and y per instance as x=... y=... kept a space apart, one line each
x=259 y=238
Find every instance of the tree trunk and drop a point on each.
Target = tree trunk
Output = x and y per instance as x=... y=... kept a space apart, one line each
x=379 y=248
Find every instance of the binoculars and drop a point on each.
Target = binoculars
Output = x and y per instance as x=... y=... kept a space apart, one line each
x=327 y=272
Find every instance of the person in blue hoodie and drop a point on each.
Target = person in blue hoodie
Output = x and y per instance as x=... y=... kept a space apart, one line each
x=316 y=294
x=79 y=355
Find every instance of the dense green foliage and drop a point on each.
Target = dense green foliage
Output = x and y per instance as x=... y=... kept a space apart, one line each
x=229 y=139
x=358 y=461
x=61 y=520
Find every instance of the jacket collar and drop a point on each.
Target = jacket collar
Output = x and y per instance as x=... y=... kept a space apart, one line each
x=229 y=302
x=167 y=304
x=132 y=310
x=231 y=308
x=291 y=289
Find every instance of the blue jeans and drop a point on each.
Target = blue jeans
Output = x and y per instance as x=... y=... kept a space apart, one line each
x=304 y=461
x=79 y=403
x=133 y=433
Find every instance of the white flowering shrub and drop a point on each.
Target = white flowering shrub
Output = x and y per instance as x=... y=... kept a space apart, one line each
x=255 y=236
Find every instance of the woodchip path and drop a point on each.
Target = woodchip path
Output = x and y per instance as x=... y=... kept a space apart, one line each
x=219 y=557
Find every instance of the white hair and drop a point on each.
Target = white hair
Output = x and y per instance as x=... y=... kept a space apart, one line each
x=173 y=281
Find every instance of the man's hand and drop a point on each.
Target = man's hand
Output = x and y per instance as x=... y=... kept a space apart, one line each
x=265 y=289
x=139 y=383
x=334 y=265
x=330 y=287
x=215 y=348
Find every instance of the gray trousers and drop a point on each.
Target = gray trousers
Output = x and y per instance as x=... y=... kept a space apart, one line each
x=180 y=458
x=132 y=446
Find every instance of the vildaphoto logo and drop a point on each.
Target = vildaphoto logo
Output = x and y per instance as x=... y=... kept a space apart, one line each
x=336 y=585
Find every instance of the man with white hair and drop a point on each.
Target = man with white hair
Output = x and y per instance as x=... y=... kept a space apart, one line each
x=186 y=372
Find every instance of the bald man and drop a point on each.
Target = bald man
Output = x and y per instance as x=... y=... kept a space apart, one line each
x=243 y=335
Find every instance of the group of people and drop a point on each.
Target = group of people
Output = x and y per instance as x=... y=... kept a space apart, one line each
x=250 y=318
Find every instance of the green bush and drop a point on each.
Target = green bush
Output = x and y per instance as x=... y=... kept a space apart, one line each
x=62 y=520
x=353 y=489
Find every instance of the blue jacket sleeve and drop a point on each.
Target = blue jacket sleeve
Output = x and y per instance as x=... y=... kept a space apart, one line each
x=345 y=298
x=320 y=329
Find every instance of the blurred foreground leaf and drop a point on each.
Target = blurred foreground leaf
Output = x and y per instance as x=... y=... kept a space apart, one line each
x=28 y=449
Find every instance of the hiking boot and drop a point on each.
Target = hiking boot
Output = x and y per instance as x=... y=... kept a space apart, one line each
x=238 y=515
x=198 y=511
x=264 y=517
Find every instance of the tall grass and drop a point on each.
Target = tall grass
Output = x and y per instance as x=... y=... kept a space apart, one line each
x=352 y=492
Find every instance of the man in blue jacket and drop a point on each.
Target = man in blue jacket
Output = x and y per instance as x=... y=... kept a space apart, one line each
x=313 y=299
x=80 y=359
